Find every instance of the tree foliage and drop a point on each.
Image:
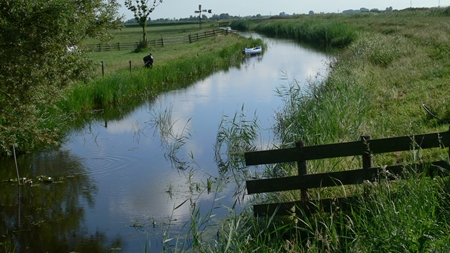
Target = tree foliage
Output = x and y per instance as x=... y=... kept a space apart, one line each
x=142 y=11
x=36 y=65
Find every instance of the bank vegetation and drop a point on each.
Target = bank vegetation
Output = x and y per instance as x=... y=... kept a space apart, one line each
x=391 y=67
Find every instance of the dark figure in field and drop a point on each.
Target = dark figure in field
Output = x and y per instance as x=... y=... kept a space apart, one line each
x=148 y=61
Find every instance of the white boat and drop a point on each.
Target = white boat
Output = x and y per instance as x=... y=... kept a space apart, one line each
x=253 y=50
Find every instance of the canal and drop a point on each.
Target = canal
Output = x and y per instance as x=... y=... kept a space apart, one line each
x=137 y=181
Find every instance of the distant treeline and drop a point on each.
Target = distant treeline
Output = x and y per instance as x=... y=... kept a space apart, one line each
x=221 y=17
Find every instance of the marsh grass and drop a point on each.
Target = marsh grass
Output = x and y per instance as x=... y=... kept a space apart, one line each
x=318 y=32
x=235 y=135
x=376 y=86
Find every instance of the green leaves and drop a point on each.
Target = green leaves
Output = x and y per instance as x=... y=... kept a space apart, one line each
x=142 y=12
x=35 y=62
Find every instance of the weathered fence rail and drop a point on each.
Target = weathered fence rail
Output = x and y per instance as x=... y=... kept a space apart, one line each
x=191 y=38
x=365 y=148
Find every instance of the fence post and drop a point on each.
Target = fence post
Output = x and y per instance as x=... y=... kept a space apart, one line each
x=130 y=66
x=190 y=40
x=367 y=156
x=103 y=69
x=162 y=41
x=301 y=165
x=99 y=47
x=197 y=36
x=118 y=45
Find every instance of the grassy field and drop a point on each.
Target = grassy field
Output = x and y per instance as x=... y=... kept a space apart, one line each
x=389 y=66
x=175 y=66
x=377 y=85
x=115 y=60
x=394 y=63
x=133 y=32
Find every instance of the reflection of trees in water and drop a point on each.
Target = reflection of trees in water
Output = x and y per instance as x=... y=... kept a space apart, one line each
x=47 y=217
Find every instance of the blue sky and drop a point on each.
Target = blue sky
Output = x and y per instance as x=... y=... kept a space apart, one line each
x=185 y=8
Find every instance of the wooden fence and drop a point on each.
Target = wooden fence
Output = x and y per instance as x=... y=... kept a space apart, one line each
x=158 y=42
x=365 y=148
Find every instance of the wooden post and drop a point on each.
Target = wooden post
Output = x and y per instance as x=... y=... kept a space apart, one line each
x=130 y=66
x=118 y=45
x=301 y=165
x=103 y=69
x=99 y=47
x=190 y=40
x=162 y=41
x=367 y=157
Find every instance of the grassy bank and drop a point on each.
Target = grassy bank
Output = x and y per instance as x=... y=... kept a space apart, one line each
x=320 y=33
x=175 y=67
x=377 y=85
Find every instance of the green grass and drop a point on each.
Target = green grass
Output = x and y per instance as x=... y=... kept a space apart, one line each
x=175 y=66
x=377 y=85
x=133 y=33
x=390 y=64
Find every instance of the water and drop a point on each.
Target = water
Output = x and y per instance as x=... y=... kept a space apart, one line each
x=125 y=183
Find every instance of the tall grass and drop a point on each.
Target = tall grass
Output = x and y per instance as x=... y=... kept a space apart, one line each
x=320 y=33
x=122 y=86
x=317 y=32
x=376 y=86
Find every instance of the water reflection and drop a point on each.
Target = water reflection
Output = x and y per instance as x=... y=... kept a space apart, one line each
x=48 y=217
x=142 y=172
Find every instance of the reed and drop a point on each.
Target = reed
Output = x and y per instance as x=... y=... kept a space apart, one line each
x=321 y=33
x=122 y=86
x=375 y=86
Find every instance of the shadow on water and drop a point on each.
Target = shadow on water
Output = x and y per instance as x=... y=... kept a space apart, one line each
x=45 y=213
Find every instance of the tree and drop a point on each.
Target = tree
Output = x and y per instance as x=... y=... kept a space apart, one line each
x=36 y=65
x=142 y=11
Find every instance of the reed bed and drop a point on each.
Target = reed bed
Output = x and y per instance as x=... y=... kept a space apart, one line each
x=376 y=85
x=321 y=33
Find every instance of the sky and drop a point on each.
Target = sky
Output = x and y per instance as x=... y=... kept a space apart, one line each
x=185 y=8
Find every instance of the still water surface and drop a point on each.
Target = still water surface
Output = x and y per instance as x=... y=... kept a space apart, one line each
x=121 y=186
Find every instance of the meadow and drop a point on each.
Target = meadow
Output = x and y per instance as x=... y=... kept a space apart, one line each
x=175 y=66
x=387 y=67
x=391 y=66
